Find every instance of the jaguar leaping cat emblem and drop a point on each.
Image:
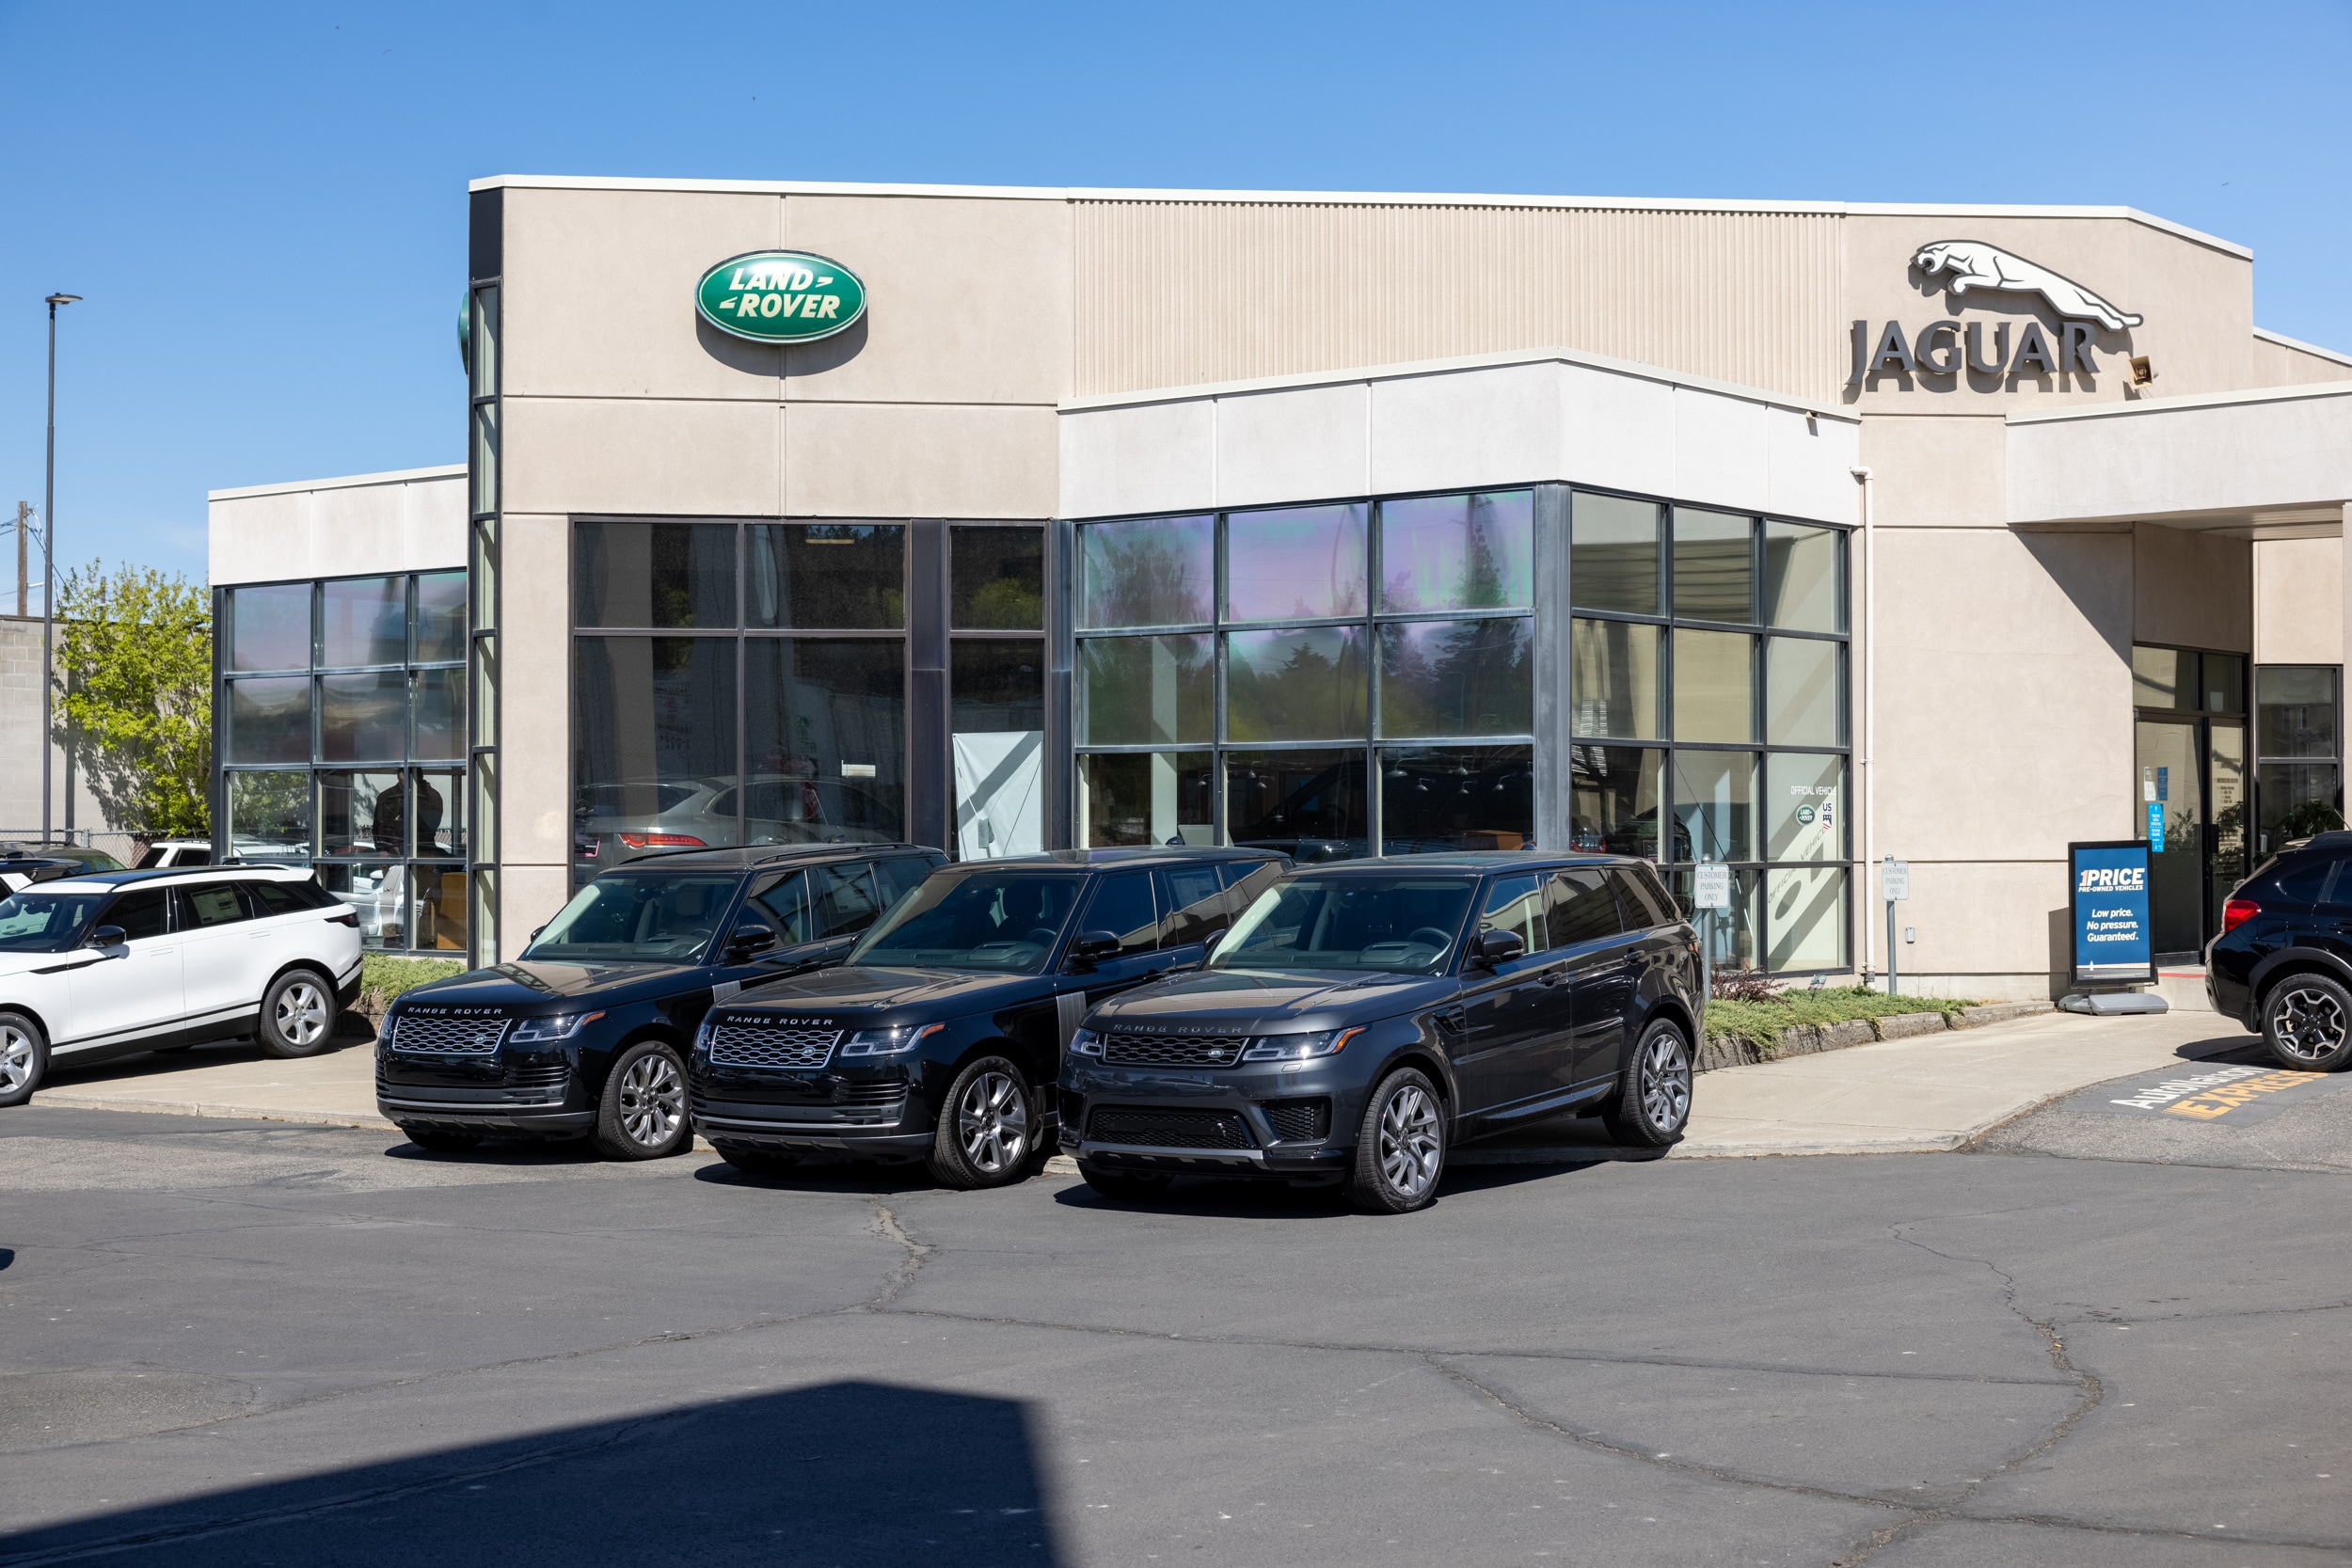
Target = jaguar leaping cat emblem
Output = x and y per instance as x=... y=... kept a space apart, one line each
x=1967 y=264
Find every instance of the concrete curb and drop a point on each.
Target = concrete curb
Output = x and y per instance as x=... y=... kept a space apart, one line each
x=1807 y=1039
x=206 y=1108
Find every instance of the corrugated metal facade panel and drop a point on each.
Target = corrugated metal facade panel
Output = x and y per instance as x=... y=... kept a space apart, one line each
x=1174 y=293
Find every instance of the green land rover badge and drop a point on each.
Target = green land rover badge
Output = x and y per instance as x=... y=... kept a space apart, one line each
x=780 y=296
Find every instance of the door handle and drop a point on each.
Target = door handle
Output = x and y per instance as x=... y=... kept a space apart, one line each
x=1555 y=977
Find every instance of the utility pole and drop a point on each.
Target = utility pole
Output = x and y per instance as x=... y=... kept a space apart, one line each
x=49 y=566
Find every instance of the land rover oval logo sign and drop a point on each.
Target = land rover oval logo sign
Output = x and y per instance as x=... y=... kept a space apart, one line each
x=780 y=296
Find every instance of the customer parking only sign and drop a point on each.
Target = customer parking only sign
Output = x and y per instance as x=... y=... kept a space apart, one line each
x=2112 y=938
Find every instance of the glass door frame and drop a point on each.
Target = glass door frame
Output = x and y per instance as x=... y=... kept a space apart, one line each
x=2203 y=721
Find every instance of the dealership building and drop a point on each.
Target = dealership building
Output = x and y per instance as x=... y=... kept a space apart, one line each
x=1786 y=535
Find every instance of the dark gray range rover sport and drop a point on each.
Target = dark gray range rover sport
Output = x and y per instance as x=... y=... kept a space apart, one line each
x=1358 y=1020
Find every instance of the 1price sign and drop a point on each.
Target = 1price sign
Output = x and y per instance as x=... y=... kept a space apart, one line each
x=2113 y=938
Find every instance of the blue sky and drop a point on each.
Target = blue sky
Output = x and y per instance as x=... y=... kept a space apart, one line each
x=264 y=204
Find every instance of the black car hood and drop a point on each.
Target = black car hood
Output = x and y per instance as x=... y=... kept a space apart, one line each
x=1245 y=1001
x=895 y=996
x=539 y=987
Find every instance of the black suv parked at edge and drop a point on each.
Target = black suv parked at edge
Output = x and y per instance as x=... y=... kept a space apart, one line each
x=941 y=1037
x=1358 y=1020
x=2282 y=964
x=586 y=1034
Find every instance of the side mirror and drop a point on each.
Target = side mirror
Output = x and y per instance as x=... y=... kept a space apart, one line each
x=748 y=939
x=535 y=933
x=1094 y=944
x=108 y=936
x=1498 y=947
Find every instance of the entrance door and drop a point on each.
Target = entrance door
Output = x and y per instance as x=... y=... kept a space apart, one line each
x=2171 y=787
x=2225 y=775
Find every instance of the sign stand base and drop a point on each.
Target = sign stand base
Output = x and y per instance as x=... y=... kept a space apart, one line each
x=2113 y=1004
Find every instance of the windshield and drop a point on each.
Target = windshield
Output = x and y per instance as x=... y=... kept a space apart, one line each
x=996 y=920
x=1403 y=924
x=45 y=922
x=643 y=917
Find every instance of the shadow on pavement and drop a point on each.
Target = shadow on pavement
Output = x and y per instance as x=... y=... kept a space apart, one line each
x=843 y=1472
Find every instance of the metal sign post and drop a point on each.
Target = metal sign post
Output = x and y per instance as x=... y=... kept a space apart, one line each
x=1895 y=887
x=1710 y=890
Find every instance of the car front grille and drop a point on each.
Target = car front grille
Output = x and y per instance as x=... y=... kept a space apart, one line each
x=751 y=1045
x=1298 y=1120
x=1112 y=1124
x=1124 y=1050
x=429 y=1035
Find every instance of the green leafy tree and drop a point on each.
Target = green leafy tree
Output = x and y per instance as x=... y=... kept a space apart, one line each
x=134 y=673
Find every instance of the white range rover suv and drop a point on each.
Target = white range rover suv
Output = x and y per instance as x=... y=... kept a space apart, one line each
x=111 y=963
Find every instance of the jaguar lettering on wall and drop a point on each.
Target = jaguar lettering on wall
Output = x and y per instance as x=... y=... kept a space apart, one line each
x=1969 y=354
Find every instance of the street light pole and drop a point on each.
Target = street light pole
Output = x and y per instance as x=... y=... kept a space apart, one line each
x=49 y=565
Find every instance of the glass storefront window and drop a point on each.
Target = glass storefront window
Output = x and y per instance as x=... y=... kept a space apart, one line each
x=364 y=814
x=2298 y=799
x=1805 y=691
x=440 y=711
x=1147 y=690
x=1613 y=554
x=1614 y=795
x=996 y=730
x=816 y=576
x=2296 y=710
x=1302 y=684
x=1805 y=807
x=824 y=740
x=1147 y=571
x=441 y=812
x=1714 y=566
x=2164 y=677
x=2223 y=682
x=363 y=621
x=996 y=684
x=378 y=893
x=1714 y=685
x=1436 y=799
x=363 y=717
x=652 y=744
x=1295 y=563
x=269 y=815
x=1806 y=907
x=1146 y=798
x=1458 y=552
x=438 y=914
x=483 y=471
x=1309 y=804
x=270 y=627
x=996 y=578
x=1731 y=940
x=1803 y=577
x=1714 y=804
x=653 y=574
x=269 y=721
x=440 y=632
x=1614 y=679
x=1457 y=678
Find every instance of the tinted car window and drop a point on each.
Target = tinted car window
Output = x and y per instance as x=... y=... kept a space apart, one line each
x=1642 y=896
x=1515 y=904
x=271 y=898
x=994 y=919
x=1398 y=924
x=1582 y=908
x=45 y=922
x=1122 y=906
x=204 y=906
x=651 y=917
x=899 y=874
x=2339 y=894
x=842 y=898
x=2303 y=882
x=1248 y=878
x=139 y=914
x=1194 y=899
x=781 y=904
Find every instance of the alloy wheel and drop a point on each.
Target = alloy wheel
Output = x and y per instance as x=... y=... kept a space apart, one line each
x=301 y=1013
x=1666 y=1083
x=1411 y=1146
x=16 y=1058
x=2310 y=1024
x=652 y=1099
x=993 y=1123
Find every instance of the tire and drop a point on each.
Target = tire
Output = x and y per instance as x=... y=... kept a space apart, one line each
x=757 y=1162
x=642 y=1113
x=24 y=1058
x=1652 y=1105
x=440 y=1139
x=1126 y=1186
x=1400 y=1147
x=987 y=1126
x=2307 y=1023
x=299 y=1013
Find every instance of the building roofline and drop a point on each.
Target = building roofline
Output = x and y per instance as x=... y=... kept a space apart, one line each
x=343 y=482
x=1411 y=369
x=2297 y=393
x=1346 y=198
x=2301 y=347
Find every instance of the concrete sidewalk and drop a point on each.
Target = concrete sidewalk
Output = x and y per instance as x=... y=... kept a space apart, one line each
x=1927 y=1094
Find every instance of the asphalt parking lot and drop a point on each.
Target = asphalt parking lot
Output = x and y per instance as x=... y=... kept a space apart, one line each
x=2099 y=1341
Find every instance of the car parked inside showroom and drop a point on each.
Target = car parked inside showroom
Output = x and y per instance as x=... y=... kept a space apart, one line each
x=99 y=965
x=1361 y=1020
x=941 y=1038
x=585 y=1033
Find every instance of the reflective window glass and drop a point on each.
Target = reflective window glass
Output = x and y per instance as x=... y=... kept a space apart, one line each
x=269 y=721
x=2298 y=799
x=1805 y=799
x=1642 y=897
x=1436 y=799
x=1192 y=904
x=1714 y=685
x=440 y=709
x=2296 y=710
x=996 y=686
x=441 y=812
x=1145 y=798
x=2223 y=682
x=1730 y=933
x=1302 y=684
x=1803 y=582
x=824 y=740
x=1613 y=554
x=1310 y=805
x=1458 y=552
x=782 y=906
x=1457 y=678
x=1806 y=907
x=652 y=744
x=437 y=916
x=202 y=908
x=1714 y=566
x=440 y=618
x=1582 y=907
x=270 y=627
x=1615 y=680
x=996 y=578
x=363 y=717
x=1613 y=800
x=1295 y=563
x=996 y=721
x=1147 y=572
x=140 y=913
x=1122 y=905
x=269 y=815
x=1804 y=692
x=656 y=575
x=1146 y=691
x=363 y=621
x=842 y=898
x=1515 y=904
x=378 y=893
x=896 y=876
x=2163 y=677
x=1714 y=804
x=364 y=814
x=849 y=576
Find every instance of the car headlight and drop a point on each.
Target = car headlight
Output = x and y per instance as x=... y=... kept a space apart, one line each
x=1299 y=1048
x=888 y=1042
x=702 y=1037
x=541 y=1031
x=1086 y=1042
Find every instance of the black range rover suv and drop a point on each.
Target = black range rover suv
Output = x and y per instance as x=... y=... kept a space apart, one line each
x=1358 y=1020
x=941 y=1037
x=586 y=1034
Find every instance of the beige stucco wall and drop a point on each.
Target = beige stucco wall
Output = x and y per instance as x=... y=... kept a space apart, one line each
x=2277 y=361
x=408 y=521
x=2299 y=601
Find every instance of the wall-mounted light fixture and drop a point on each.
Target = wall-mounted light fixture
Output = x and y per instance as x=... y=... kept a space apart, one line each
x=2142 y=371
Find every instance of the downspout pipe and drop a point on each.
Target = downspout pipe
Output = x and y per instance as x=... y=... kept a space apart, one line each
x=1865 y=926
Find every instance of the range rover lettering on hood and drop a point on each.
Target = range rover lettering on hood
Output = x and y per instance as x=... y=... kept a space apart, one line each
x=428 y=1010
x=779 y=1020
